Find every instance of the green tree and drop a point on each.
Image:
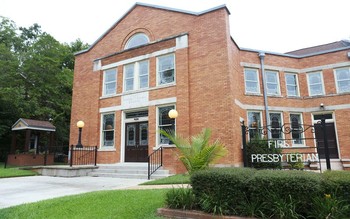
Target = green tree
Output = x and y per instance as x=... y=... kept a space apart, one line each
x=197 y=153
x=36 y=77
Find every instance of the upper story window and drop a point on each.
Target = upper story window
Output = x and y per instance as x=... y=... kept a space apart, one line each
x=136 y=75
x=342 y=77
x=272 y=83
x=251 y=81
x=137 y=40
x=109 y=82
x=315 y=83
x=292 y=85
x=166 y=69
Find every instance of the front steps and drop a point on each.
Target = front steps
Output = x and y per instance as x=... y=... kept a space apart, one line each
x=335 y=165
x=127 y=170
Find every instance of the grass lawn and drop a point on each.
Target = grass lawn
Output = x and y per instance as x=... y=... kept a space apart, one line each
x=175 y=179
x=128 y=204
x=14 y=172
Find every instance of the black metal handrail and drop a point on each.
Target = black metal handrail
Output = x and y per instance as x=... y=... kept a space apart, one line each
x=155 y=161
x=86 y=155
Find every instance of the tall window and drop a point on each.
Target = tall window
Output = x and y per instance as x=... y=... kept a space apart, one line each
x=292 y=85
x=254 y=124
x=251 y=81
x=109 y=81
x=272 y=83
x=108 y=130
x=276 y=125
x=136 y=40
x=297 y=129
x=315 y=83
x=342 y=76
x=165 y=123
x=166 y=69
x=136 y=76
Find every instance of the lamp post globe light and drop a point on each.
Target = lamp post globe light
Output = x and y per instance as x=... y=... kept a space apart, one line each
x=173 y=114
x=80 y=125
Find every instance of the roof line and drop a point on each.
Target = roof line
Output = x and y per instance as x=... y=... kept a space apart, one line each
x=296 y=56
x=151 y=6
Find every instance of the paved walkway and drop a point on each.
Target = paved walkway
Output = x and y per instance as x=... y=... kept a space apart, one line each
x=20 y=190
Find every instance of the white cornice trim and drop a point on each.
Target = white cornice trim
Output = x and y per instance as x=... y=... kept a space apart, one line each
x=149 y=103
x=291 y=109
x=295 y=70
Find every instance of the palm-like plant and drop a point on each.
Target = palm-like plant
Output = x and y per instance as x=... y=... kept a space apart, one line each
x=198 y=153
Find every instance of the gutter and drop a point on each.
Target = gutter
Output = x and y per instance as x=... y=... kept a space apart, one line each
x=266 y=106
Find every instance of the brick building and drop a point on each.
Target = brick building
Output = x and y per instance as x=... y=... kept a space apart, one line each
x=155 y=59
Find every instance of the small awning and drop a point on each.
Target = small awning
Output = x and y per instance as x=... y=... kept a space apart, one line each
x=31 y=124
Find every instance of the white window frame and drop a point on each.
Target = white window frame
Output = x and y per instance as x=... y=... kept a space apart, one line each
x=301 y=134
x=261 y=121
x=104 y=90
x=136 y=76
x=258 y=81
x=158 y=71
x=337 y=81
x=277 y=83
x=102 y=146
x=309 y=85
x=157 y=127
x=296 y=85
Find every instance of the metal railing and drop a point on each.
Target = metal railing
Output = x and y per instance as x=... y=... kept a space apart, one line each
x=155 y=161
x=86 y=155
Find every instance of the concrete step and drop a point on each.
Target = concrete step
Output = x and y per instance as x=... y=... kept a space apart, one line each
x=127 y=170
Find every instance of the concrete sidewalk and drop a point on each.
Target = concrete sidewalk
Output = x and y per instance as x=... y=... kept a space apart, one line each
x=20 y=190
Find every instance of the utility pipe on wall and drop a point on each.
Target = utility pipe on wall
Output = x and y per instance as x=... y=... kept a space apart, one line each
x=267 y=117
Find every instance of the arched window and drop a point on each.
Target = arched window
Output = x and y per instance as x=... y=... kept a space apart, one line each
x=137 y=40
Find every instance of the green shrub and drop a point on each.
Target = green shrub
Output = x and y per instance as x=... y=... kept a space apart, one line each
x=338 y=183
x=221 y=190
x=298 y=165
x=260 y=146
x=299 y=185
x=329 y=206
x=180 y=198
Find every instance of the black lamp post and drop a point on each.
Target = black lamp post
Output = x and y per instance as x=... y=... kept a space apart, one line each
x=80 y=125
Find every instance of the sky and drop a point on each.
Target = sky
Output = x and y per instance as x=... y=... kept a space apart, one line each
x=269 y=25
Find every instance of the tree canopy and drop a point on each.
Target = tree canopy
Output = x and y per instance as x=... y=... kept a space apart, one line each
x=36 y=76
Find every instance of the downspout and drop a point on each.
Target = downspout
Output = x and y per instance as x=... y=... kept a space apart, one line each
x=267 y=117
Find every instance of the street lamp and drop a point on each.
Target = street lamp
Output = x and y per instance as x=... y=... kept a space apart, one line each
x=173 y=114
x=80 y=125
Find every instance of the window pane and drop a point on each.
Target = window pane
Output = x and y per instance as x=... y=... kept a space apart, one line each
x=143 y=134
x=137 y=40
x=254 y=124
x=271 y=77
x=296 y=128
x=251 y=87
x=130 y=135
x=108 y=130
x=251 y=75
x=129 y=84
x=108 y=138
x=344 y=86
x=143 y=68
x=165 y=123
x=108 y=122
x=291 y=90
x=167 y=76
x=110 y=75
x=166 y=62
x=275 y=125
x=343 y=74
x=315 y=78
x=316 y=89
x=110 y=88
x=291 y=79
x=129 y=71
x=272 y=89
x=144 y=81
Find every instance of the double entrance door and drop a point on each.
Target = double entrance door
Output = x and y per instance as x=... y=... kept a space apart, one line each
x=331 y=139
x=136 y=142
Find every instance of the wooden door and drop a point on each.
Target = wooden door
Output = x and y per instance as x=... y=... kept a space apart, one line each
x=136 y=142
x=331 y=138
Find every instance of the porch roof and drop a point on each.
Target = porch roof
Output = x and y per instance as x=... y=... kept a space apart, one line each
x=32 y=124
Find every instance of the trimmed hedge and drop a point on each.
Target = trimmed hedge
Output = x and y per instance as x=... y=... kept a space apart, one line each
x=266 y=193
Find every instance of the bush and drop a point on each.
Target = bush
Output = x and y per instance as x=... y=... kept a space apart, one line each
x=220 y=190
x=180 y=198
x=267 y=185
x=337 y=183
